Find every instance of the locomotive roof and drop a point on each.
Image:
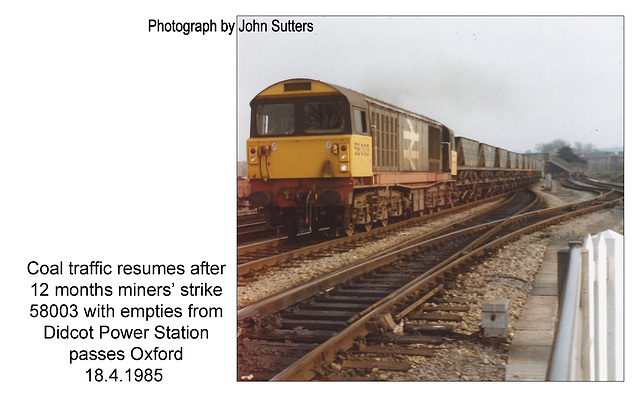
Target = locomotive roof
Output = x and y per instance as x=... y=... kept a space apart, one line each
x=310 y=87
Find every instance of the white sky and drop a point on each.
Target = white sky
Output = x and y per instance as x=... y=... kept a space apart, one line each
x=512 y=82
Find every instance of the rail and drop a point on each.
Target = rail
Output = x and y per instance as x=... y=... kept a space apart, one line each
x=589 y=336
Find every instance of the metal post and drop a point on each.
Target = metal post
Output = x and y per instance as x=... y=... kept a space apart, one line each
x=586 y=307
x=563 y=266
x=615 y=292
x=565 y=357
x=600 y=309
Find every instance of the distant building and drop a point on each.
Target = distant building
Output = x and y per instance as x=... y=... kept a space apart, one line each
x=604 y=161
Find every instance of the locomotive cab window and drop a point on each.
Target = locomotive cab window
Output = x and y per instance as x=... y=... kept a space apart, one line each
x=360 y=121
x=325 y=117
x=275 y=119
x=315 y=115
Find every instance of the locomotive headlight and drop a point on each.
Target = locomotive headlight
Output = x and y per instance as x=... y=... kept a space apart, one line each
x=344 y=153
x=344 y=167
x=253 y=158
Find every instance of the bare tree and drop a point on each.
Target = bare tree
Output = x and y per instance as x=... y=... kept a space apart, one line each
x=584 y=148
x=551 y=147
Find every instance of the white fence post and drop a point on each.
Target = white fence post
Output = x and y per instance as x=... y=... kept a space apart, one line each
x=606 y=265
x=600 y=289
x=615 y=308
x=589 y=343
x=586 y=305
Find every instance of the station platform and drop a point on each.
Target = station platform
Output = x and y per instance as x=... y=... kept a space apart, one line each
x=530 y=350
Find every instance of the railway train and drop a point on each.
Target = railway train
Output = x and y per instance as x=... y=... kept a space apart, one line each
x=323 y=157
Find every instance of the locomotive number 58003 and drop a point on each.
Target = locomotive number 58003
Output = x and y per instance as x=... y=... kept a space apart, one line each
x=362 y=149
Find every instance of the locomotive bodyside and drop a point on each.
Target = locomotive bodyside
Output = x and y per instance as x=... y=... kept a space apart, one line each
x=322 y=156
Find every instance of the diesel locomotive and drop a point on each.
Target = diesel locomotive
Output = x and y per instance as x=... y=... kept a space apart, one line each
x=323 y=156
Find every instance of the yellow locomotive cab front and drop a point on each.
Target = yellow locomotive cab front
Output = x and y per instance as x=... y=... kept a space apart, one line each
x=325 y=156
x=309 y=147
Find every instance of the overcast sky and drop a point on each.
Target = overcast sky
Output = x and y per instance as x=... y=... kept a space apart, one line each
x=512 y=82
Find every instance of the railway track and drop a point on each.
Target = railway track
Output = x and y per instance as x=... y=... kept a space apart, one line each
x=258 y=257
x=456 y=350
x=349 y=299
x=341 y=311
x=606 y=186
x=331 y=309
x=252 y=227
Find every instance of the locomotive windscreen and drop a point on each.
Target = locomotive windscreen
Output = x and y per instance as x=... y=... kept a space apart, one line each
x=301 y=116
x=326 y=116
x=275 y=119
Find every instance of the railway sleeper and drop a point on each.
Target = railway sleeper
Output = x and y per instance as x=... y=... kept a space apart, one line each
x=316 y=314
x=344 y=299
x=273 y=363
x=396 y=350
x=373 y=285
x=433 y=316
x=355 y=306
x=370 y=364
x=374 y=338
x=312 y=324
x=261 y=345
x=293 y=336
x=428 y=328
x=396 y=274
x=364 y=292
x=444 y=307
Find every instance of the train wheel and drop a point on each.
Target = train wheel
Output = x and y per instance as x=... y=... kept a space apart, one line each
x=385 y=217
x=368 y=220
x=349 y=230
